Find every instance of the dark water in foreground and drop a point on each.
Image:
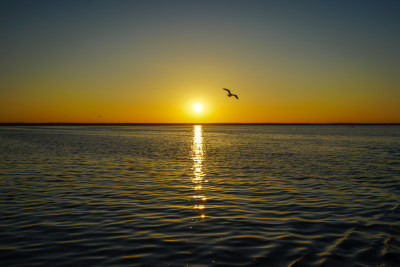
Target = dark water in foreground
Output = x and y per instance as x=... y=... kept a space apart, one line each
x=200 y=196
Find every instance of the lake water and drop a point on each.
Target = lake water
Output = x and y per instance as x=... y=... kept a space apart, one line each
x=200 y=196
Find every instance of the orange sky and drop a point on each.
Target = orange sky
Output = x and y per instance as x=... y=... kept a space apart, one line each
x=146 y=63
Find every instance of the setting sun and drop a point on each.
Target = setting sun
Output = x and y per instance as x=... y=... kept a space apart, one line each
x=197 y=107
x=192 y=128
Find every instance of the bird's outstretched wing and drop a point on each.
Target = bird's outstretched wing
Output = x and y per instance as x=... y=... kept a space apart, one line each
x=236 y=96
x=226 y=90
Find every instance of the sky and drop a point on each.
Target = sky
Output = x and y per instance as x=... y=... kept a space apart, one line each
x=153 y=61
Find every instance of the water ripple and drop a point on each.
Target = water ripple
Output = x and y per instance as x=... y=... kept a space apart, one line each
x=200 y=196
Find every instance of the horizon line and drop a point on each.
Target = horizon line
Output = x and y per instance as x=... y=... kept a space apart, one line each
x=185 y=123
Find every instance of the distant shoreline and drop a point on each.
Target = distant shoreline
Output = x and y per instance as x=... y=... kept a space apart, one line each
x=175 y=124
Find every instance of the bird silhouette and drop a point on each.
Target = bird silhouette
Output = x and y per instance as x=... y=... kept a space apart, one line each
x=230 y=94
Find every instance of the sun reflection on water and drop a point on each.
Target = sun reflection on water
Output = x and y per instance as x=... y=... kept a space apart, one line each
x=198 y=174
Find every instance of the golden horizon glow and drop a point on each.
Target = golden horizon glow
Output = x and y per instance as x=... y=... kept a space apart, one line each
x=286 y=63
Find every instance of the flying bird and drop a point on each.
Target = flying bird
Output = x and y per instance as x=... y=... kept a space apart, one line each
x=230 y=94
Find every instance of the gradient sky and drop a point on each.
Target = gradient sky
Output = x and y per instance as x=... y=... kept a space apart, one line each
x=151 y=61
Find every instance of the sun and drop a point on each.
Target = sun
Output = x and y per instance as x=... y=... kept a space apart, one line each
x=197 y=107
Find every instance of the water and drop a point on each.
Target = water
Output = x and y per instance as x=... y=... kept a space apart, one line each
x=200 y=196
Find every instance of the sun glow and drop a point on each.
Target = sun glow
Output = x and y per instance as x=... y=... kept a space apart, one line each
x=197 y=107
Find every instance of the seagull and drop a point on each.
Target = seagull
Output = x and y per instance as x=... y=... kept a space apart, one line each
x=230 y=94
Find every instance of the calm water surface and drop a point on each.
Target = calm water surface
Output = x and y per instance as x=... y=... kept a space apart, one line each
x=200 y=196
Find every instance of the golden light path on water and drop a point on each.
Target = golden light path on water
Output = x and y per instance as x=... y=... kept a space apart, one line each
x=198 y=174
